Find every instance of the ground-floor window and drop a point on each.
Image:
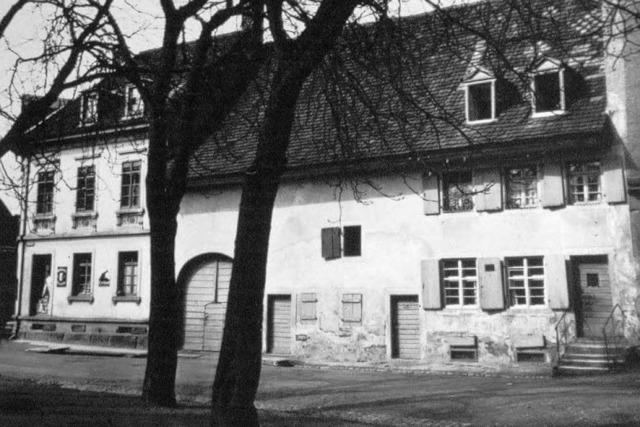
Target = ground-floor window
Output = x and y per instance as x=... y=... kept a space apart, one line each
x=81 y=274
x=128 y=273
x=526 y=281
x=460 y=282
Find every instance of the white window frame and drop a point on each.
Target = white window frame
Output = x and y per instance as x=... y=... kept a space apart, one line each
x=492 y=82
x=86 y=119
x=522 y=196
x=91 y=276
x=549 y=67
x=585 y=184
x=526 y=278
x=139 y=112
x=459 y=280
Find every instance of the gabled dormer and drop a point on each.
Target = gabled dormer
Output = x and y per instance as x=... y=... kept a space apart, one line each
x=480 y=96
x=548 y=88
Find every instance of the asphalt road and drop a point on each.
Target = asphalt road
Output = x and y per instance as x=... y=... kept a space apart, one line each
x=51 y=389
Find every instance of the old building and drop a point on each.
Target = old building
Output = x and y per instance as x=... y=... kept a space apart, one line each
x=488 y=236
x=84 y=240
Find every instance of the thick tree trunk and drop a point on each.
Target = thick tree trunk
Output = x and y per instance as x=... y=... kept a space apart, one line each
x=160 y=374
x=238 y=371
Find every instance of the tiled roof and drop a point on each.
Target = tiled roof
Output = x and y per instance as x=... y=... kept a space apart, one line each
x=413 y=86
x=334 y=122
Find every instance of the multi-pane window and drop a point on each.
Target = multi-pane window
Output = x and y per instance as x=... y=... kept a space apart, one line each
x=85 y=193
x=522 y=187
x=548 y=92
x=128 y=272
x=44 y=202
x=526 y=281
x=89 y=108
x=81 y=274
x=134 y=107
x=458 y=192
x=130 y=189
x=480 y=101
x=584 y=182
x=352 y=308
x=460 y=282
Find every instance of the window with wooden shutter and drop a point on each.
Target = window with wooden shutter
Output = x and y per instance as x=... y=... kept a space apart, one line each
x=556 y=280
x=488 y=184
x=613 y=180
x=431 y=290
x=331 y=248
x=307 y=306
x=491 y=284
x=352 y=308
x=552 y=185
x=431 y=194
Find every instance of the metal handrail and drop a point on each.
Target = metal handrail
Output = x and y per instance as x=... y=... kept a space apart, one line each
x=562 y=320
x=611 y=319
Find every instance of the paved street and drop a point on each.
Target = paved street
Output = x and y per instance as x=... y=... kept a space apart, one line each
x=56 y=389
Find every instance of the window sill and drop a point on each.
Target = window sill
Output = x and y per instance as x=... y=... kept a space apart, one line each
x=129 y=216
x=80 y=298
x=126 y=298
x=44 y=217
x=480 y=122
x=87 y=124
x=85 y=214
x=544 y=114
x=84 y=219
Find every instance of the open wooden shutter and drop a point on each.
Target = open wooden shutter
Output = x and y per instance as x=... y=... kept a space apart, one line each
x=613 y=179
x=431 y=194
x=552 y=185
x=488 y=182
x=431 y=290
x=555 y=278
x=331 y=247
x=490 y=284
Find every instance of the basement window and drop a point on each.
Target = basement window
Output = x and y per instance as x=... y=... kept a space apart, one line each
x=531 y=356
x=463 y=353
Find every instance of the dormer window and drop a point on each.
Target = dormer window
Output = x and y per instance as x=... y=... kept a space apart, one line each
x=133 y=104
x=480 y=97
x=89 y=108
x=547 y=87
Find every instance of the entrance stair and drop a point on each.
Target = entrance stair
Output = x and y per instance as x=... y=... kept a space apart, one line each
x=589 y=356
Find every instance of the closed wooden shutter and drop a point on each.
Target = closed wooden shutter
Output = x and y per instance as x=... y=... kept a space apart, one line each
x=352 y=308
x=307 y=306
x=490 y=284
x=431 y=194
x=489 y=185
x=331 y=247
x=555 y=278
x=552 y=185
x=431 y=289
x=613 y=180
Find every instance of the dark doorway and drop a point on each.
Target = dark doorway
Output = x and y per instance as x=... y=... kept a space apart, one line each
x=405 y=327
x=40 y=270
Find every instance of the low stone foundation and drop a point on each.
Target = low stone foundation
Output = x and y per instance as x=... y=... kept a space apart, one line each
x=105 y=332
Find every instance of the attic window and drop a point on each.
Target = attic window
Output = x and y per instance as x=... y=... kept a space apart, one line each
x=480 y=99
x=89 y=108
x=548 y=95
x=133 y=105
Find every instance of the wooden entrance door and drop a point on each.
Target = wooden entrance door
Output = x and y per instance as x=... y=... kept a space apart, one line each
x=279 y=324
x=595 y=296
x=206 y=305
x=405 y=327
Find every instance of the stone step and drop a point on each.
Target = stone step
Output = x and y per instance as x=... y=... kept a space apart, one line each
x=577 y=362
x=582 y=370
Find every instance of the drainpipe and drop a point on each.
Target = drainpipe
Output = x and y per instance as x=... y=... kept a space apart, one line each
x=21 y=245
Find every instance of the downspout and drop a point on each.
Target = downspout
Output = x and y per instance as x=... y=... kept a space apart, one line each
x=21 y=246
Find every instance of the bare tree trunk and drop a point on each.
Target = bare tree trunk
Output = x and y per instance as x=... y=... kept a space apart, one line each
x=160 y=374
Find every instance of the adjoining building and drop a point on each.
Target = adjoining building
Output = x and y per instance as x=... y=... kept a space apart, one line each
x=493 y=233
